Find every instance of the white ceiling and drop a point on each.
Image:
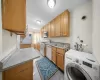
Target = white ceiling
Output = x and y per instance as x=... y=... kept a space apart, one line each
x=38 y=10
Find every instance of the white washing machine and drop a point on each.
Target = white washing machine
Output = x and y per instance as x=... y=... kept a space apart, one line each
x=81 y=66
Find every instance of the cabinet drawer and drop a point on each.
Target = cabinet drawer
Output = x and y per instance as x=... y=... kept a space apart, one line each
x=59 y=50
x=54 y=48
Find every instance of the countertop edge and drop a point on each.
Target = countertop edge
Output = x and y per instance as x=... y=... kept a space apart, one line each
x=18 y=64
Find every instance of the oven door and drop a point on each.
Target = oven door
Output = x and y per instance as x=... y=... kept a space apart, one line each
x=75 y=72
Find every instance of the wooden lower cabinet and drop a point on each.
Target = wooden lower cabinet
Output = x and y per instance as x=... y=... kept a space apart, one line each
x=54 y=56
x=60 y=61
x=20 y=72
x=58 y=57
x=38 y=46
x=25 y=46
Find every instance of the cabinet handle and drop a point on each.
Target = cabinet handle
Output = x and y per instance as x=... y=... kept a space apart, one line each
x=22 y=70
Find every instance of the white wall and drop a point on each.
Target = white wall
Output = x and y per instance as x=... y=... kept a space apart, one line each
x=61 y=39
x=82 y=28
x=9 y=42
x=96 y=29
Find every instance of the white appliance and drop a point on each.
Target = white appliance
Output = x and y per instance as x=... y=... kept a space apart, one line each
x=42 y=48
x=81 y=66
x=48 y=52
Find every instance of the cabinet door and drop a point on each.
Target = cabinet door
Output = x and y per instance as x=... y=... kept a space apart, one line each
x=49 y=35
x=54 y=56
x=38 y=46
x=60 y=61
x=57 y=25
x=20 y=72
x=52 y=27
x=14 y=15
x=65 y=23
x=5 y=15
x=42 y=31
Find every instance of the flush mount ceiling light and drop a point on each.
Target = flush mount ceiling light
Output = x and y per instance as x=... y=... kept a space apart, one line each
x=38 y=21
x=51 y=3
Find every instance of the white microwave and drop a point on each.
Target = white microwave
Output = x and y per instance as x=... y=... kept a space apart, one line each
x=45 y=34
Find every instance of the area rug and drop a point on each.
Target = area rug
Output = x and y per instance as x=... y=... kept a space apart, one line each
x=46 y=68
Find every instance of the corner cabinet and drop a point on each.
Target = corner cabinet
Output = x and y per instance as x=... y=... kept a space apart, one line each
x=14 y=15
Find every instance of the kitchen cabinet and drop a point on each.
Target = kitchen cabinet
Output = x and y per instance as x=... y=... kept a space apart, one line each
x=65 y=23
x=42 y=31
x=48 y=27
x=60 y=58
x=38 y=46
x=25 y=46
x=60 y=61
x=52 y=28
x=21 y=72
x=57 y=26
x=14 y=15
x=60 y=26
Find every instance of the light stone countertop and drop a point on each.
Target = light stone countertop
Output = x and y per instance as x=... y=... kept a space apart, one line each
x=19 y=57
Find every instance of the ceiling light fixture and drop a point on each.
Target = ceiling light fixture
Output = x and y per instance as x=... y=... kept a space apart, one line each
x=38 y=21
x=51 y=3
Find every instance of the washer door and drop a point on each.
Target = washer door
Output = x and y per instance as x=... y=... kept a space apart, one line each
x=75 y=72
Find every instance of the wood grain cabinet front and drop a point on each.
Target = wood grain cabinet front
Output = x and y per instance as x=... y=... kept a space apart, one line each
x=14 y=15
x=54 y=56
x=58 y=26
x=65 y=23
x=20 y=72
x=60 y=61
x=60 y=58
x=52 y=28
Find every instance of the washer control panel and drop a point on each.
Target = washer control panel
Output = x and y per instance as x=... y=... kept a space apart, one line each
x=87 y=64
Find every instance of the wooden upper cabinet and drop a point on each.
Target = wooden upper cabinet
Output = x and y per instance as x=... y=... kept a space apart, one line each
x=48 y=27
x=65 y=23
x=57 y=25
x=42 y=31
x=14 y=15
x=52 y=28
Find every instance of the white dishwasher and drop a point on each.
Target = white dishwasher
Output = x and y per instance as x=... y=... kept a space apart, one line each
x=49 y=52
